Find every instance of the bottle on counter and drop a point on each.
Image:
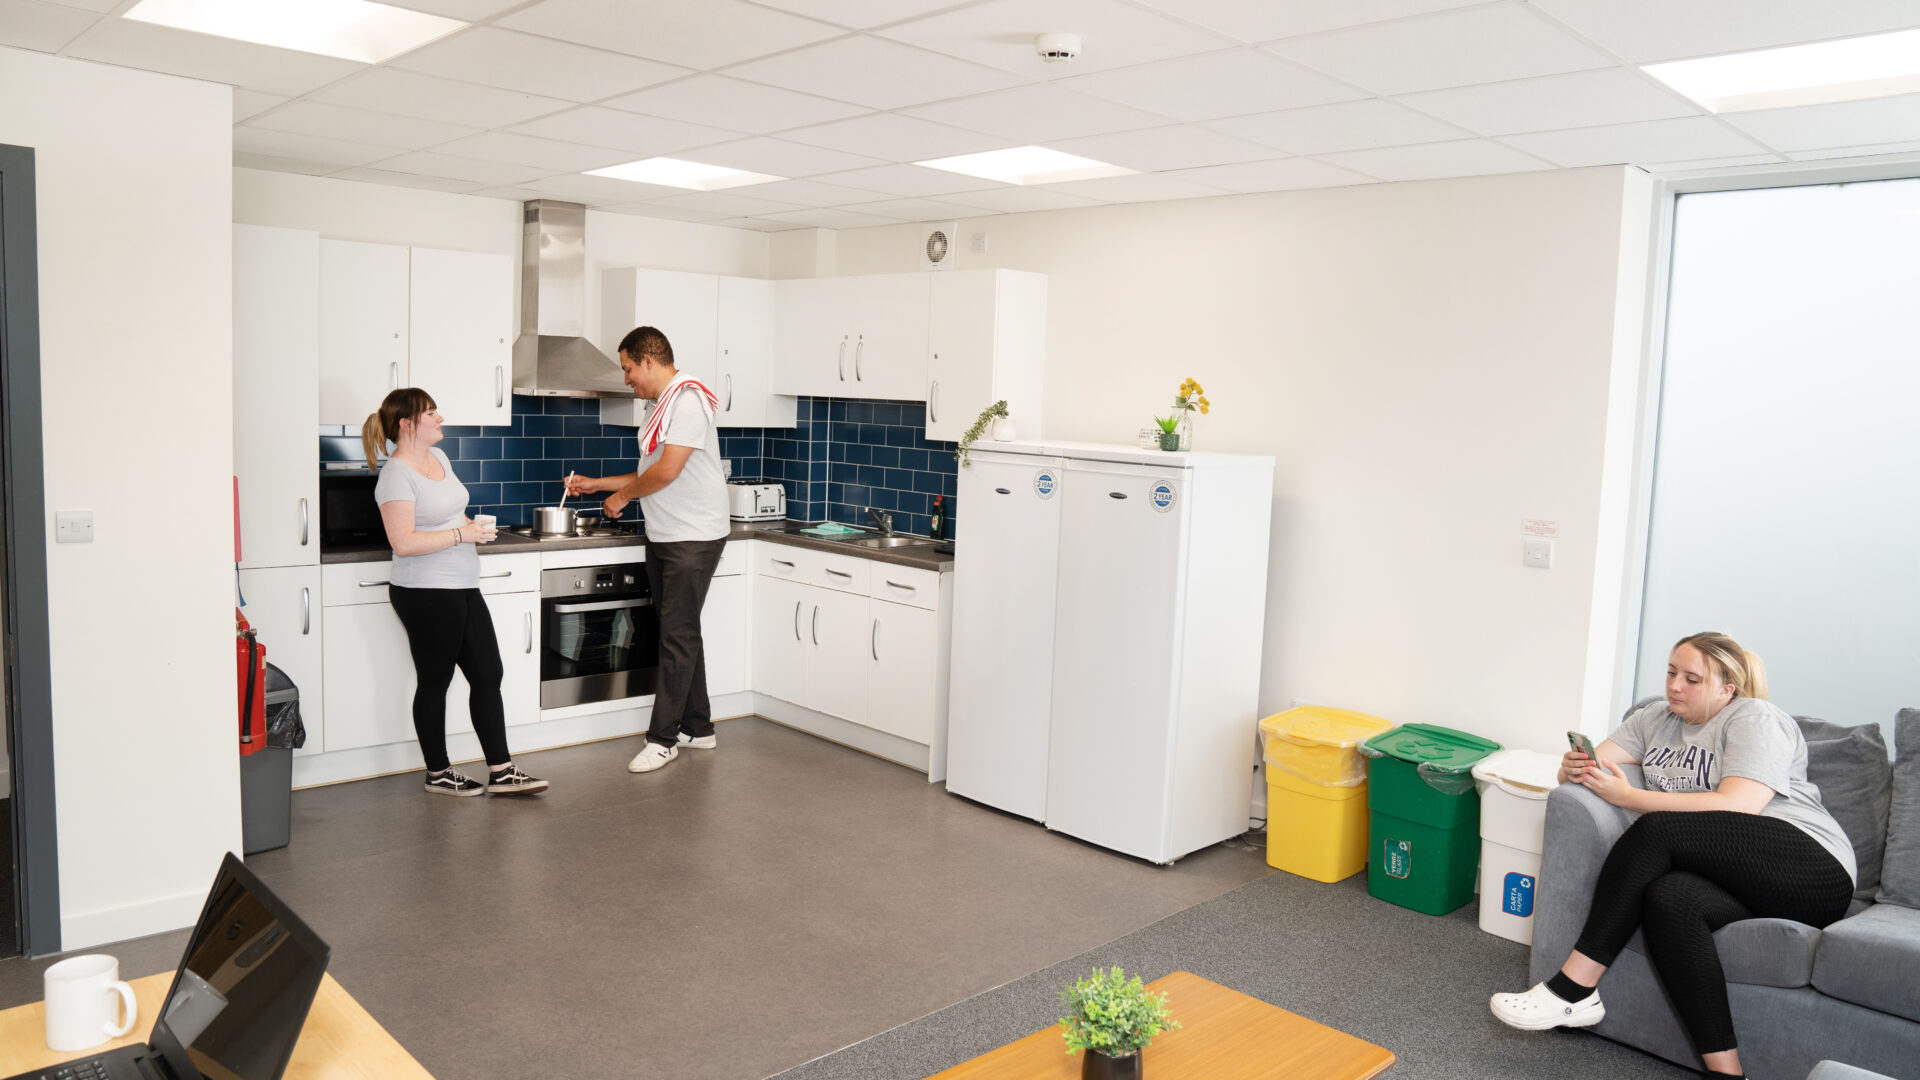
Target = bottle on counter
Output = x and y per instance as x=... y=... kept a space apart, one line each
x=938 y=530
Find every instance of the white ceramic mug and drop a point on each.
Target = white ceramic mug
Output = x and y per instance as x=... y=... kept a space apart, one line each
x=489 y=525
x=81 y=1003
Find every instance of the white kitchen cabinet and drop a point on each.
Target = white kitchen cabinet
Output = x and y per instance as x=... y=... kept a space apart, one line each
x=744 y=371
x=516 y=625
x=836 y=625
x=780 y=647
x=986 y=342
x=813 y=336
x=683 y=306
x=368 y=678
x=723 y=635
x=902 y=643
x=283 y=604
x=363 y=328
x=276 y=395
x=889 y=359
x=460 y=320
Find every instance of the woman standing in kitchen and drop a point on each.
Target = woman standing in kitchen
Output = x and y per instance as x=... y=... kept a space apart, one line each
x=435 y=588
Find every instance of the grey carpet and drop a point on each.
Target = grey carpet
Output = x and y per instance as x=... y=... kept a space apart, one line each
x=1415 y=984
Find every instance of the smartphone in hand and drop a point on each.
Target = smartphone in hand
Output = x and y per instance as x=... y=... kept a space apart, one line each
x=1579 y=741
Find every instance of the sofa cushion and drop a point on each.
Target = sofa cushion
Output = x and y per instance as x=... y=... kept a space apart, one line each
x=1849 y=765
x=1760 y=952
x=1870 y=960
x=1900 y=871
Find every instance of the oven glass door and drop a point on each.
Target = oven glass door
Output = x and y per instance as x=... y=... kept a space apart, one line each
x=597 y=649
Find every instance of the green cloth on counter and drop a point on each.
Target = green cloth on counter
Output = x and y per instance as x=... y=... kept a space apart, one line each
x=831 y=528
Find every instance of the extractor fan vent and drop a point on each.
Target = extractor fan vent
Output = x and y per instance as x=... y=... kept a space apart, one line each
x=939 y=248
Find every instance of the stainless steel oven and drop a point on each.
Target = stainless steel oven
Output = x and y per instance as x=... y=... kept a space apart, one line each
x=600 y=635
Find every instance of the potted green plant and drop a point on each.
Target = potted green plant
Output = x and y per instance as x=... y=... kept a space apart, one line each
x=1112 y=1019
x=995 y=411
x=1169 y=430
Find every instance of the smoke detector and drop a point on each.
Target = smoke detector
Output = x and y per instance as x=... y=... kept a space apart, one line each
x=1058 y=48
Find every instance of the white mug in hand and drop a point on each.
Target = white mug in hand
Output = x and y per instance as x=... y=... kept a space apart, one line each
x=489 y=526
x=84 y=1000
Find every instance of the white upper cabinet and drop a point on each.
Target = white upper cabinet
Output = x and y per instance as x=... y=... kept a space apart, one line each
x=722 y=334
x=889 y=358
x=744 y=378
x=363 y=328
x=461 y=326
x=986 y=342
x=813 y=336
x=276 y=394
x=683 y=306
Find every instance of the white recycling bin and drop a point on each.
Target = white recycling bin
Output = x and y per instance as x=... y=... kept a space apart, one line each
x=1514 y=785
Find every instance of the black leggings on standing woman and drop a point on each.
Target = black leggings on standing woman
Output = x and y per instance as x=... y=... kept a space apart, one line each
x=1681 y=875
x=448 y=628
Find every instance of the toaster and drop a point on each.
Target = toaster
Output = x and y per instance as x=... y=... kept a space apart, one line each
x=756 y=502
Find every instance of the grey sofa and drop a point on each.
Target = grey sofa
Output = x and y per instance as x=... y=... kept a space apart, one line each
x=1850 y=992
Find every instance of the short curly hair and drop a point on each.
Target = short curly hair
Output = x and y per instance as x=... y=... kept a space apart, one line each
x=647 y=341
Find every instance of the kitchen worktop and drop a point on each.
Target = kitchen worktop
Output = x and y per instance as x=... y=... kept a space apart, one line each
x=779 y=532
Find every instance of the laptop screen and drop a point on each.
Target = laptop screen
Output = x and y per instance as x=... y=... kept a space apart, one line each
x=241 y=995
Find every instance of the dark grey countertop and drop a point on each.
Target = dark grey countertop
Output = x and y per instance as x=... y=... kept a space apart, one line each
x=780 y=532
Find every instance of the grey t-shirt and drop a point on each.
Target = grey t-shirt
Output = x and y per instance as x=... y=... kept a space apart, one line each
x=438 y=505
x=694 y=506
x=1748 y=738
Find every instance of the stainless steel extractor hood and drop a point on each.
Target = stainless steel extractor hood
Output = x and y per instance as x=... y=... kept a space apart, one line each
x=552 y=356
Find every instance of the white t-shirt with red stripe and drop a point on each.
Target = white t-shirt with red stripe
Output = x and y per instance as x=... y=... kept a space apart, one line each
x=694 y=505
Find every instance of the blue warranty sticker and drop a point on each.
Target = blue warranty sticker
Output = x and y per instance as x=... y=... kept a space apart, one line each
x=1518 y=898
x=1162 y=494
x=1399 y=858
x=1045 y=483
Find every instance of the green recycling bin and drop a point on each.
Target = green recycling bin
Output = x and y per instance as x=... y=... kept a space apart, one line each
x=1424 y=816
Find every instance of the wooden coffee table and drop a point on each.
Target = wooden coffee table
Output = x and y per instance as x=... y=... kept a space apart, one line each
x=1223 y=1035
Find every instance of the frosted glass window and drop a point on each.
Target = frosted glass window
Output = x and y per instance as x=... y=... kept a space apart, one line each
x=1786 y=499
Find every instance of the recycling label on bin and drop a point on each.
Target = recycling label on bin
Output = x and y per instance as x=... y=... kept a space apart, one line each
x=1518 y=895
x=1399 y=860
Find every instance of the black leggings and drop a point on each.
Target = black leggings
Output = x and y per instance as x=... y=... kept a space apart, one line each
x=448 y=627
x=1682 y=875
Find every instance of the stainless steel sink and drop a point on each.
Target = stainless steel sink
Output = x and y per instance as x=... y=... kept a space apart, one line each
x=890 y=541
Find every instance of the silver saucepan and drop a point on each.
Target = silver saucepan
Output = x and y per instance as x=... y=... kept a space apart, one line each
x=555 y=520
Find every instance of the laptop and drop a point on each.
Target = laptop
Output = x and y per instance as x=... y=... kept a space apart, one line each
x=238 y=1001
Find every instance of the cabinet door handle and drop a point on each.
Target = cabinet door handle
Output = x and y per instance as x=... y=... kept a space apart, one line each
x=529 y=618
x=839 y=573
x=729 y=407
x=782 y=562
x=873 y=640
x=858 y=348
x=501 y=574
x=393 y=374
x=816 y=624
x=897 y=585
x=796 y=619
x=499 y=385
x=933 y=398
x=303 y=522
x=373 y=584
x=843 y=360
x=306 y=611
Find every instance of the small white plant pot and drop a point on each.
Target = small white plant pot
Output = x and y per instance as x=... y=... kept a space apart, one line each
x=1002 y=429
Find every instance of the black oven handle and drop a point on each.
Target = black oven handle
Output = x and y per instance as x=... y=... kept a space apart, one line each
x=603 y=605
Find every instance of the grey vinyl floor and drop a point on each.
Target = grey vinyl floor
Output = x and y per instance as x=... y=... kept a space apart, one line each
x=734 y=915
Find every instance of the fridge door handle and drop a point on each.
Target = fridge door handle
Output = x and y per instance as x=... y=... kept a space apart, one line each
x=1116 y=494
x=1002 y=491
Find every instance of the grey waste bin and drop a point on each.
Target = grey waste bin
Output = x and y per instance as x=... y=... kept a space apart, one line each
x=266 y=775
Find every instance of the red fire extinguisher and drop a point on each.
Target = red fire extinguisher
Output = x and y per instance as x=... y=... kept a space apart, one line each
x=252 y=659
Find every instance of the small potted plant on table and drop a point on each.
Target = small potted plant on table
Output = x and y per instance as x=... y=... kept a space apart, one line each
x=1113 y=1019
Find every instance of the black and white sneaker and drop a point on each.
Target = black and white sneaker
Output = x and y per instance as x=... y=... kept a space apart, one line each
x=704 y=742
x=454 y=782
x=511 y=781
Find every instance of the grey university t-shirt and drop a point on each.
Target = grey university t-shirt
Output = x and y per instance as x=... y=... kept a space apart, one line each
x=438 y=505
x=694 y=506
x=1748 y=738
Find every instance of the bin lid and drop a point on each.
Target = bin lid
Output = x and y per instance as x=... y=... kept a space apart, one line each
x=1529 y=774
x=1318 y=725
x=1441 y=749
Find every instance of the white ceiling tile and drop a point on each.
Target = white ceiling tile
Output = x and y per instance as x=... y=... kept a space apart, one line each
x=510 y=191
x=756 y=224
x=547 y=154
x=1433 y=161
x=778 y=157
x=830 y=219
x=251 y=103
x=892 y=137
x=1581 y=99
x=1647 y=30
x=214 y=59
x=470 y=10
x=1849 y=152
x=599 y=190
x=339 y=122
x=97 y=6
x=908 y=180
x=1686 y=139
x=1023 y=200
x=1288 y=174
x=1037 y=114
x=725 y=203
x=645 y=135
x=860 y=14
x=428 y=163
x=662 y=211
x=913 y=209
x=1145 y=187
x=1207 y=87
x=707 y=34
x=873 y=72
x=411 y=94
x=1177 y=147
x=536 y=65
x=28 y=24
x=1348 y=125
x=272 y=163
x=1716 y=163
x=391 y=178
x=337 y=152
x=1849 y=123
x=1455 y=48
x=1001 y=33
x=808 y=193
x=1265 y=20
x=736 y=105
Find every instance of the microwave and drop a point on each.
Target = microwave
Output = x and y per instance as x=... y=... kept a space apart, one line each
x=349 y=516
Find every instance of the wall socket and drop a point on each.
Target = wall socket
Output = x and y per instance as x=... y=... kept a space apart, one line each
x=1538 y=554
x=73 y=526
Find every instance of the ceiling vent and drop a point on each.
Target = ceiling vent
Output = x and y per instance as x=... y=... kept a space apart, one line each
x=938 y=250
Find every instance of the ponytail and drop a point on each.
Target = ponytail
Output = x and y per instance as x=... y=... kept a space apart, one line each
x=383 y=425
x=1730 y=663
x=373 y=439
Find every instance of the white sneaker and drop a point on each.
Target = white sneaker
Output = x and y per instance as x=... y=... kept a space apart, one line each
x=704 y=742
x=1540 y=1008
x=654 y=756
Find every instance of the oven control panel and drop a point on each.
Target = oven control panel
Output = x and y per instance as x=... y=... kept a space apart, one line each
x=593 y=579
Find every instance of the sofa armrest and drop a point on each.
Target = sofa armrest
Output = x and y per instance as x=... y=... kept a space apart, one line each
x=1581 y=829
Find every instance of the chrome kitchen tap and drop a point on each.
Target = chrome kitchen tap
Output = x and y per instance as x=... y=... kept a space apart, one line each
x=885 y=521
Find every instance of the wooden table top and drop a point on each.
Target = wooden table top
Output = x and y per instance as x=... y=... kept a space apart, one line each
x=1223 y=1035
x=340 y=1040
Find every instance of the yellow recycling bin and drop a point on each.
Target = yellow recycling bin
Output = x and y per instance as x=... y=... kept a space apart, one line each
x=1317 y=790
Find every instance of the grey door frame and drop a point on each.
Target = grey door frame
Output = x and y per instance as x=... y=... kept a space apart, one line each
x=23 y=546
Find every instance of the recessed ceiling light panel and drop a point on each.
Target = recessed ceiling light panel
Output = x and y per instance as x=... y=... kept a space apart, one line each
x=348 y=29
x=692 y=175
x=1027 y=165
x=1879 y=65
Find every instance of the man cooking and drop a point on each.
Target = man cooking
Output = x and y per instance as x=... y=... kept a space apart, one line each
x=683 y=497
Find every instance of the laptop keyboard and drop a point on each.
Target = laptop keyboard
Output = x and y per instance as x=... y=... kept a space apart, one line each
x=79 y=1070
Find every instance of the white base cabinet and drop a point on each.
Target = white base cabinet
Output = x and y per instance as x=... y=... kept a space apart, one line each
x=283 y=604
x=723 y=633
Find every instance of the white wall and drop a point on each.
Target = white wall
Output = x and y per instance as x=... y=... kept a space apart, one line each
x=134 y=181
x=1430 y=363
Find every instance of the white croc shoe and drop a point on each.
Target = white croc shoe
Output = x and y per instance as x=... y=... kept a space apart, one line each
x=653 y=756
x=1540 y=1008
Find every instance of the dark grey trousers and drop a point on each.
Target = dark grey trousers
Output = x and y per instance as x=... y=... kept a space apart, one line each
x=679 y=574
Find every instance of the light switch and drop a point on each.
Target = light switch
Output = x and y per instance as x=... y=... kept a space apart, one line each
x=979 y=243
x=73 y=526
x=1538 y=554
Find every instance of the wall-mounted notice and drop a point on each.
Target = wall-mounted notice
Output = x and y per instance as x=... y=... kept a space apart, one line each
x=1539 y=527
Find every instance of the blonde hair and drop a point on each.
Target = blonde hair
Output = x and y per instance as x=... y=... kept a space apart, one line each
x=1730 y=663
x=383 y=424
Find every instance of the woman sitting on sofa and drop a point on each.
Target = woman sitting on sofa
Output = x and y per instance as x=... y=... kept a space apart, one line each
x=1730 y=829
